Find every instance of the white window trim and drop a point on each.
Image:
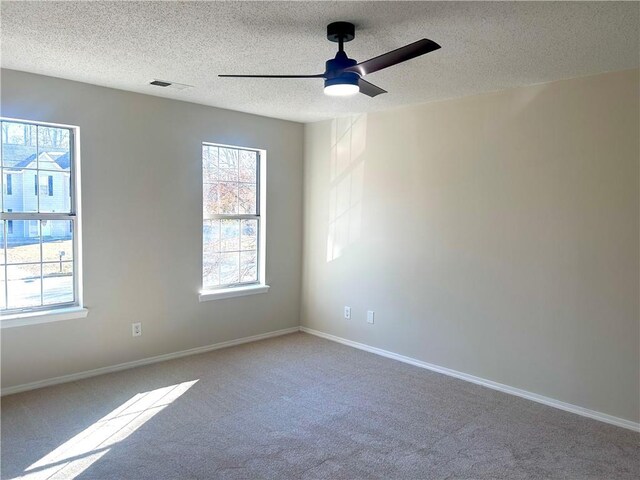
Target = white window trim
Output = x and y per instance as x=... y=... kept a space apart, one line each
x=261 y=286
x=42 y=316
x=66 y=312
x=241 y=291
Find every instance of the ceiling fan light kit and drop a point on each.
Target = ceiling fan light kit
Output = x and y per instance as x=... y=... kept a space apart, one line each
x=343 y=75
x=341 y=86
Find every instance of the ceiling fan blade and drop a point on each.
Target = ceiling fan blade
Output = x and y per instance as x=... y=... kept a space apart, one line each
x=394 y=57
x=369 y=88
x=274 y=76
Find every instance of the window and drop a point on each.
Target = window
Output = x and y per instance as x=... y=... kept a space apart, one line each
x=232 y=228
x=38 y=233
x=44 y=185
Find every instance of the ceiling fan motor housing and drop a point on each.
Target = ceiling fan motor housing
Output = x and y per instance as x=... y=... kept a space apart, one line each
x=334 y=73
x=335 y=66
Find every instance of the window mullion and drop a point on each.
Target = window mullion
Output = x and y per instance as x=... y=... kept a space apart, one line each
x=235 y=216
x=37 y=187
x=72 y=172
x=41 y=266
x=6 y=273
x=36 y=216
x=258 y=184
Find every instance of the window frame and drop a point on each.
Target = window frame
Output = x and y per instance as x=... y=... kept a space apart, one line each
x=59 y=311
x=242 y=288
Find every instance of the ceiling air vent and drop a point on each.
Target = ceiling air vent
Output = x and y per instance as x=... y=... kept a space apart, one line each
x=174 y=85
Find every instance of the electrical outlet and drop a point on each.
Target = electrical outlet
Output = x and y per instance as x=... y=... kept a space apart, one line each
x=347 y=312
x=136 y=329
x=370 y=316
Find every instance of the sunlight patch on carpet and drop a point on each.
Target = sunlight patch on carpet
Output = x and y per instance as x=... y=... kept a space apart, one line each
x=80 y=452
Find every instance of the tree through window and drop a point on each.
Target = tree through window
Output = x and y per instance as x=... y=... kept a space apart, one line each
x=231 y=216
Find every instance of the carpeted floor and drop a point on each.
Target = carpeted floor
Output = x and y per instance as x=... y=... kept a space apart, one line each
x=299 y=407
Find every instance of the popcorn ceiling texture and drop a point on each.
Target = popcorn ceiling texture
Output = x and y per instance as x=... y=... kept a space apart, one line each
x=486 y=46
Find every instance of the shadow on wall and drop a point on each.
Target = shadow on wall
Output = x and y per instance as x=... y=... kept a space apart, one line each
x=348 y=143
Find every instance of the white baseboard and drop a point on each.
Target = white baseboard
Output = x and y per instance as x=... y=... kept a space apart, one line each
x=585 y=412
x=145 y=361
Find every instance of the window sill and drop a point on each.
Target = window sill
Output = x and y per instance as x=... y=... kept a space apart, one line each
x=207 y=295
x=44 y=316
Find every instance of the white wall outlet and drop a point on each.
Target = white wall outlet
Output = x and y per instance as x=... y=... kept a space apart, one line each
x=347 y=312
x=136 y=329
x=370 y=316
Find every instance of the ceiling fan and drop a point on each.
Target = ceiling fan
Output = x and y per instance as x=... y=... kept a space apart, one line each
x=343 y=75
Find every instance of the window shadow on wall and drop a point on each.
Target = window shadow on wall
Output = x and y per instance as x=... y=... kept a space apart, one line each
x=346 y=180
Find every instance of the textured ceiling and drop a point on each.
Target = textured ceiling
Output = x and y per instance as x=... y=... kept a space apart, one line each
x=485 y=47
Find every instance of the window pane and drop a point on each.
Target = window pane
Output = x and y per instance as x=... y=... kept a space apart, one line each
x=57 y=240
x=18 y=145
x=230 y=235
x=248 y=267
x=229 y=273
x=228 y=164
x=211 y=270
x=23 y=285
x=53 y=190
x=228 y=201
x=57 y=282
x=53 y=148
x=3 y=226
x=3 y=285
x=210 y=253
x=220 y=198
x=210 y=196
x=54 y=161
x=23 y=241
x=248 y=162
x=247 y=199
x=249 y=235
x=22 y=196
x=3 y=297
x=211 y=236
x=210 y=164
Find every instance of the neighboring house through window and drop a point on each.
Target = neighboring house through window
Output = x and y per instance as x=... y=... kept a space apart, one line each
x=38 y=232
x=232 y=227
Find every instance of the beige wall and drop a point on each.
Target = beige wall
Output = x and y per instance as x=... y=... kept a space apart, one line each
x=497 y=235
x=142 y=207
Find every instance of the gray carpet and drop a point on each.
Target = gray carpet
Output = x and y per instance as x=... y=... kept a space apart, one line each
x=299 y=407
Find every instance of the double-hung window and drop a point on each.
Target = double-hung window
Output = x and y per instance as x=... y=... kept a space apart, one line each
x=39 y=222
x=233 y=221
